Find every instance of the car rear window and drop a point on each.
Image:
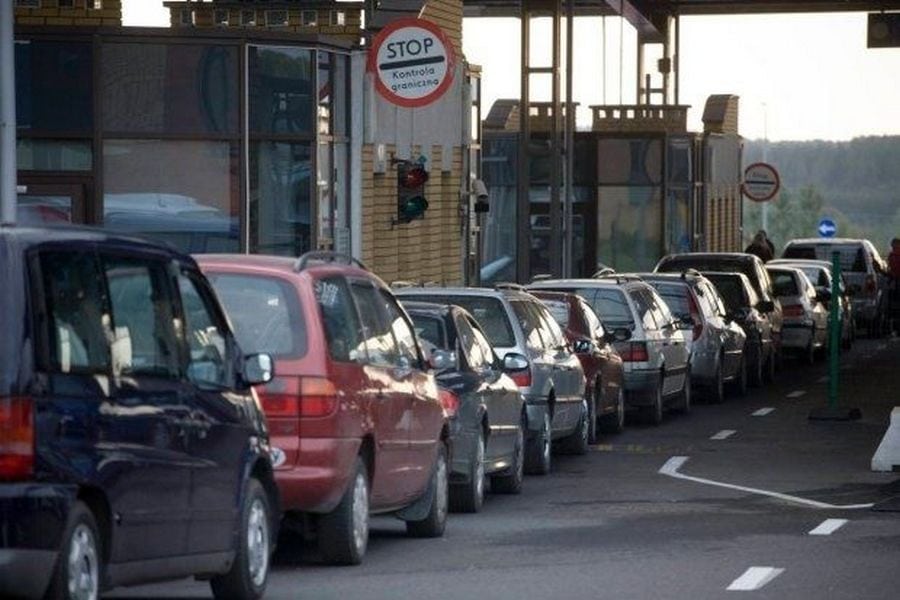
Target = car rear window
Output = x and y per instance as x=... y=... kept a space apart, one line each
x=731 y=289
x=784 y=283
x=489 y=312
x=853 y=256
x=608 y=303
x=430 y=331
x=676 y=297
x=265 y=313
x=559 y=310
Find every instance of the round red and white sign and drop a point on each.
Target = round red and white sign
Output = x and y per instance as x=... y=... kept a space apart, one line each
x=761 y=182
x=413 y=62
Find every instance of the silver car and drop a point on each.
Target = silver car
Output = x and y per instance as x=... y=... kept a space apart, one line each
x=652 y=346
x=716 y=342
x=536 y=355
x=805 y=326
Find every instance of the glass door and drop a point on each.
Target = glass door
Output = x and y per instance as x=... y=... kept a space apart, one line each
x=50 y=204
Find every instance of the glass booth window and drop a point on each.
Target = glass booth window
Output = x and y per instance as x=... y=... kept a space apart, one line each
x=280 y=90
x=280 y=194
x=185 y=193
x=169 y=88
x=34 y=154
x=325 y=92
x=629 y=227
x=53 y=86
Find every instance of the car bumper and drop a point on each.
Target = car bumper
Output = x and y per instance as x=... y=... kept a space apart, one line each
x=640 y=385
x=32 y=519
x=317 y=481
x=796 y=336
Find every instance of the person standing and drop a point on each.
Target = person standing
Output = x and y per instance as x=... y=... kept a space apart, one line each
x=761 y=247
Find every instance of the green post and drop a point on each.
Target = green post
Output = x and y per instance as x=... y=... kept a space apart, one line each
x=834 y=330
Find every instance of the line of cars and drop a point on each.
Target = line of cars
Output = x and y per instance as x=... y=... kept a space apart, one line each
x=163 y=416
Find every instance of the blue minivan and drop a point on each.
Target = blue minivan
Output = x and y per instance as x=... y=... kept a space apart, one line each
x=132 y=447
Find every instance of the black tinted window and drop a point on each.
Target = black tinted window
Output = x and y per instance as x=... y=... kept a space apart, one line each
x=265 y=314
x=530 y=324
x=430 y=331
x=853 y=256
x=784 y=284
x=208 y=361
x=489 y=312
x=675 y=296
x=342 y=327
x=731 y=290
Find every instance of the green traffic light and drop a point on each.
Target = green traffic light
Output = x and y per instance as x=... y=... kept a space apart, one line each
x=413 y=208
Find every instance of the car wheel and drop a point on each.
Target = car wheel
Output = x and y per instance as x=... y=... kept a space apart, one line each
x=653 y=414
x=537 y=458
x=344 y=532
x=434 y=523
x=615 y=422
x=684 y=397
x=578 y=442
x=469 y=497
x=249 y=573
x=511 y=482
x=718 y=388
x=78 y=566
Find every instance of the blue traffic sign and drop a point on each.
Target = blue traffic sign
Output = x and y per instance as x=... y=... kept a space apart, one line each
x=827 y=228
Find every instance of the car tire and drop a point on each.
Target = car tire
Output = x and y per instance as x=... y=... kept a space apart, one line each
x=717 y=393
x=435 y=521
x=80 y=560
x=538 y=455
x=469 y=497
x=653 y=414
x=511 y=482
x=249 y=573
x=615 y=421
x=578 y=441
x=683 y=402
x=344 y=532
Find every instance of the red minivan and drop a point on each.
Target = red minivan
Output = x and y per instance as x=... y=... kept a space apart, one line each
x=355 y=417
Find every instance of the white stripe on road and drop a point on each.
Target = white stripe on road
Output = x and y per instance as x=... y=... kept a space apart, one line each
x=763 y=412
x=724 y=434
x=754 y=578
x=673 y=464
x=797 y=394
x=828 y=526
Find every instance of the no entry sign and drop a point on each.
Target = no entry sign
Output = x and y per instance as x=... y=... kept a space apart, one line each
x=412 y=61
x=761 y=182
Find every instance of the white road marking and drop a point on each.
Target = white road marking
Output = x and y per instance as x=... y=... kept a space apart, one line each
x=673 y=464
x=724 y=434
x=828 y=526
x=754 y=578
x=797 y=394
x=763 y=412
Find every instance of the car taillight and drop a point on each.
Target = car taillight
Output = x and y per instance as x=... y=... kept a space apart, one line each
x=633 y=351
x=299 y=397
x=792 y=310
x=871 y=284
x=16 y=438
x=522 y=378
x=450 y=402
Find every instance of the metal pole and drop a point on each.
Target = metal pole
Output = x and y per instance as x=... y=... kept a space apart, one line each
x=523 y=175
x=568 y=250
x=7 y=116
x=834 y=330
x=555 y=149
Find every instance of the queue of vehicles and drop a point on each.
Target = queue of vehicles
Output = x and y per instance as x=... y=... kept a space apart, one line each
x=163 y=416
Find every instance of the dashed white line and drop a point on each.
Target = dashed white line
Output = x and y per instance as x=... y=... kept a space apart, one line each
x=763 y=411
x=797 y=394
x=672 y=465
x=724 y=434
x=828 y=526
x=754 y=578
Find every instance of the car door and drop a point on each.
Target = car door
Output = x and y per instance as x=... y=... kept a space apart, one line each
x=733 y=336
x=150 y=416
x=568 y=374
x=609 y=360
x=675 y=347
x=390 y=405
x=425 y=416
x=653 y=335
x=219 y=436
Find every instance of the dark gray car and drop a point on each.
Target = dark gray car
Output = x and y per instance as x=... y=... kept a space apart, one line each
x=487 y=428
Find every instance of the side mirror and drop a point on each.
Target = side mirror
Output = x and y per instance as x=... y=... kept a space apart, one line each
x=621 y=334
x=583 y=347
x=442 y=360
x=258 y=369
x=514 y=362
x=765 y=306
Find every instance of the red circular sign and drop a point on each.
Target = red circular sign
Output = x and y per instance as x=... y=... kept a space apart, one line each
x=413 y=62
x=761 y=182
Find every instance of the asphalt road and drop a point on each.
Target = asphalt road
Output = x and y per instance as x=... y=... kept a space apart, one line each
x=611 y=525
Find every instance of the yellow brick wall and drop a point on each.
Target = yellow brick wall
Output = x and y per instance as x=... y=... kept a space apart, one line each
x=204 y=16
x=447 y=14
x=425 y=250
x=82 y=13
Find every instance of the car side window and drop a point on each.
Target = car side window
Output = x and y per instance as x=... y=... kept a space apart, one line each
x=473 y=353
x=204 y=333
x=376 y=331
x=530 y=323
x=550 y=329
x=144 y=341
x=661 y=312
x=339 y=318
x=403 y=333
x=593 y=321
x=644 y=310
x=78 y=323
x=482 y=342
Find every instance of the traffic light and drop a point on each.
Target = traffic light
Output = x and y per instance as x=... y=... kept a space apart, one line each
x=411 y=180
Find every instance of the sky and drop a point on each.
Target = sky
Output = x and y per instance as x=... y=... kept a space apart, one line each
x=799 y=77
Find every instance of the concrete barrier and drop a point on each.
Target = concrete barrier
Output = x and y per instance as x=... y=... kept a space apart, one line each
x=887 y=456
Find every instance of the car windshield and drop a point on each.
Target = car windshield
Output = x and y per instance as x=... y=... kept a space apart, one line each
x=430 y=332
x=676 y=297
x=709 y=263
x=265 y=313
x=853 y=256
x=489 y=313
x=784 y=283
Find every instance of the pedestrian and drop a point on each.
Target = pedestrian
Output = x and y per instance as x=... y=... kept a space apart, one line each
x=761 y=247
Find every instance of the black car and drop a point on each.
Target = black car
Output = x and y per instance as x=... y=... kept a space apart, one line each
x=131 y=446
x=487 y=429
x=744 y=306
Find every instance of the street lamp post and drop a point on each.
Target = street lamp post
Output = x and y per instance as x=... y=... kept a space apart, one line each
x=7 y=117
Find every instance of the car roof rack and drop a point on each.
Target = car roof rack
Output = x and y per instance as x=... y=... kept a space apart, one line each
x=541 y=277
x=604 y=272
x=326 y=256
x=508 y=285
x=402 y=283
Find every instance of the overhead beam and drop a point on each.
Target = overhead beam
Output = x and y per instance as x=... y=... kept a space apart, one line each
x=733 y=7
